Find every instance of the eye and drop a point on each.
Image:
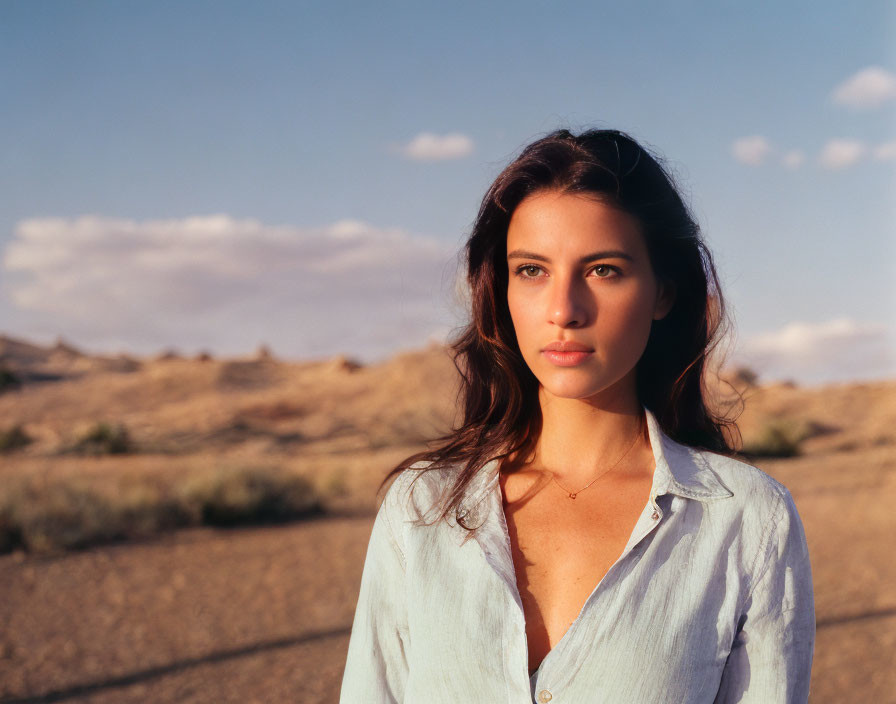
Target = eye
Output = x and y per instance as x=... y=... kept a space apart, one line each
x=528 y=271
x=605 y=271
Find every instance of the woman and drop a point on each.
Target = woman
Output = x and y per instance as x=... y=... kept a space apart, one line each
x=584 y=535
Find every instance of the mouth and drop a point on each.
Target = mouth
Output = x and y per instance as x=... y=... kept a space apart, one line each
x=566 y=359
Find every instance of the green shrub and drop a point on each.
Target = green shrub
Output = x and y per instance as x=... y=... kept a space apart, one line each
x=8 y=379
x=250 y=495
x=13 y=438
x=144 y=511
x=337 y=484
x=104 y=439
x=10 y=536
x=778 y=437
x=61 y=516
x=69 y=514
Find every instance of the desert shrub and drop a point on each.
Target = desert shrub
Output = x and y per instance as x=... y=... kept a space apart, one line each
x=142 y=511
x=13 y=438
x=104 y=439
x=250 y=495
x=8 y=379
x=778 y=437
x=10 y=537
x=745 y=376
x=70 y=514
x=337 y=484
x=60 y=516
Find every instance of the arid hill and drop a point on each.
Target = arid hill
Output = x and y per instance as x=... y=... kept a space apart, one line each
x=263 y=614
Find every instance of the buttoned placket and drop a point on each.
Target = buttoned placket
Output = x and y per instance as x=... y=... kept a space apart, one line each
x=643 y=527
x=494 y=540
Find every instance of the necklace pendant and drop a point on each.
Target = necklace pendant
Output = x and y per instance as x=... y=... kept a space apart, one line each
x=572 y=496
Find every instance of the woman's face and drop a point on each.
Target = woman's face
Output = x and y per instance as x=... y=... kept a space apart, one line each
x=579 y=273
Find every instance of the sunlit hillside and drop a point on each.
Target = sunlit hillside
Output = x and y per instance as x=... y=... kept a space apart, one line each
x=87 y=439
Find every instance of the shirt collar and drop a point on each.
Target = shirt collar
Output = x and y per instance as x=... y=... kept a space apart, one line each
x=680 y=470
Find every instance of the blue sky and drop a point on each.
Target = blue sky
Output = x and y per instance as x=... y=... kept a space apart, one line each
x=214 y=175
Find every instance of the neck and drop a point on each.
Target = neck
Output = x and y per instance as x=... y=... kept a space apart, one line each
x=581 y=437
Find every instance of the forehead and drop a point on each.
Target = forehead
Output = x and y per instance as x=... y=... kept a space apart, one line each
x=560 y=221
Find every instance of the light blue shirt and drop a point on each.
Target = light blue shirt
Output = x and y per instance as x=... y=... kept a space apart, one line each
x=710 y=601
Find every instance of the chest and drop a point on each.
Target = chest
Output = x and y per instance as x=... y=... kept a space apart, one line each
x=670 y=606
x=562 y=548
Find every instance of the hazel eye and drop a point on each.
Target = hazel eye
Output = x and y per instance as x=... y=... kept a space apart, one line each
x=528 y=271
x=604 y=271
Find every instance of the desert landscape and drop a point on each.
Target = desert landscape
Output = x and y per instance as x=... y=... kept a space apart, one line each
x=193 y=529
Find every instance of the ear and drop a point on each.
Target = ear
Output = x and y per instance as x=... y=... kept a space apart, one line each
x=665 y=299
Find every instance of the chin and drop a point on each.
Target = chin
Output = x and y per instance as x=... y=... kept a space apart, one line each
x=582 y=385
x=572 y=388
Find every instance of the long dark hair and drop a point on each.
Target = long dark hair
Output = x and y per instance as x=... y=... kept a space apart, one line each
x=498 y=392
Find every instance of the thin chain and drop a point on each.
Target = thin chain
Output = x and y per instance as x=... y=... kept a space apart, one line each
x=573 y=494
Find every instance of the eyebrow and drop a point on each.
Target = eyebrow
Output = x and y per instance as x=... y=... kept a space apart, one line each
x=606 y=254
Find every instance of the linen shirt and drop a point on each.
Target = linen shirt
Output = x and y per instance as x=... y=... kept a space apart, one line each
x=710 y=601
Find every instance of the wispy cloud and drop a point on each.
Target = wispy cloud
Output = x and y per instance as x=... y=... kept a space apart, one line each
x=841 y=349
x=752 y=150
x=886 y=151
x=869 y=88
x=840 y=153
x=793 y=159
x=214 y=281
x=427 y=146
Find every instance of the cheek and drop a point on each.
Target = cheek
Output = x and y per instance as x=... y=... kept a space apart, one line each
x=630 y=323
x=518 y=309
x=525 y=328
x=520 y=323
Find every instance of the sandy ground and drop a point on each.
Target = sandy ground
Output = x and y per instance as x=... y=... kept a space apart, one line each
x=263 y=615
x=258 y=615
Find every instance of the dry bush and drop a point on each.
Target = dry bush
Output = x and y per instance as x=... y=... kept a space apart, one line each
x=69 y=514
x=779 y=437
x=8 y=379
x=13 y=438
x=10 y=537
x=104 y=439
x=60 y=516
x=242 y=495
x=143 y=511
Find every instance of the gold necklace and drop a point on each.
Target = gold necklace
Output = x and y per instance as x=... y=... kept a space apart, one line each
x=573 y=494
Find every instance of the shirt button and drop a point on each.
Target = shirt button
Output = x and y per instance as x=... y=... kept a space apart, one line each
x=655 y=515
x=544 y=696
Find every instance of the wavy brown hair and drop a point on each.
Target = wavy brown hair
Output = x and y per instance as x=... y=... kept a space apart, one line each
x=498 y=392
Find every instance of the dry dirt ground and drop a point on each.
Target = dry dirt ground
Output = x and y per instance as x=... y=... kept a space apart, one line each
x=263 y=614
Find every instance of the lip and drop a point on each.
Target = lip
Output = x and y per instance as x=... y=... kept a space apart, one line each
x=567 y=346
x=566 y=353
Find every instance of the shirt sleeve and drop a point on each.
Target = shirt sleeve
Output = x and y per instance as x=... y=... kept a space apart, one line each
x=376 y=666
x=771 y=657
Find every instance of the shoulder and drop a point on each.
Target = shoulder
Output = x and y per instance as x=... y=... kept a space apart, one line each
x=754 y=514
x=744 y=480
x=756 y=498
x=415 y=491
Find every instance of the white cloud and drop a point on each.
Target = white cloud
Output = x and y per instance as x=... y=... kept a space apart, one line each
x=885 y=151
x=433 y=147
x=836 y=350
x=869 y=88
x=793 y=159
x=840 y=153
x=751 y=150
x=228 y=284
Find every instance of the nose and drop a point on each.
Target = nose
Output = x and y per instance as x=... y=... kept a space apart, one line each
x=567 y=307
